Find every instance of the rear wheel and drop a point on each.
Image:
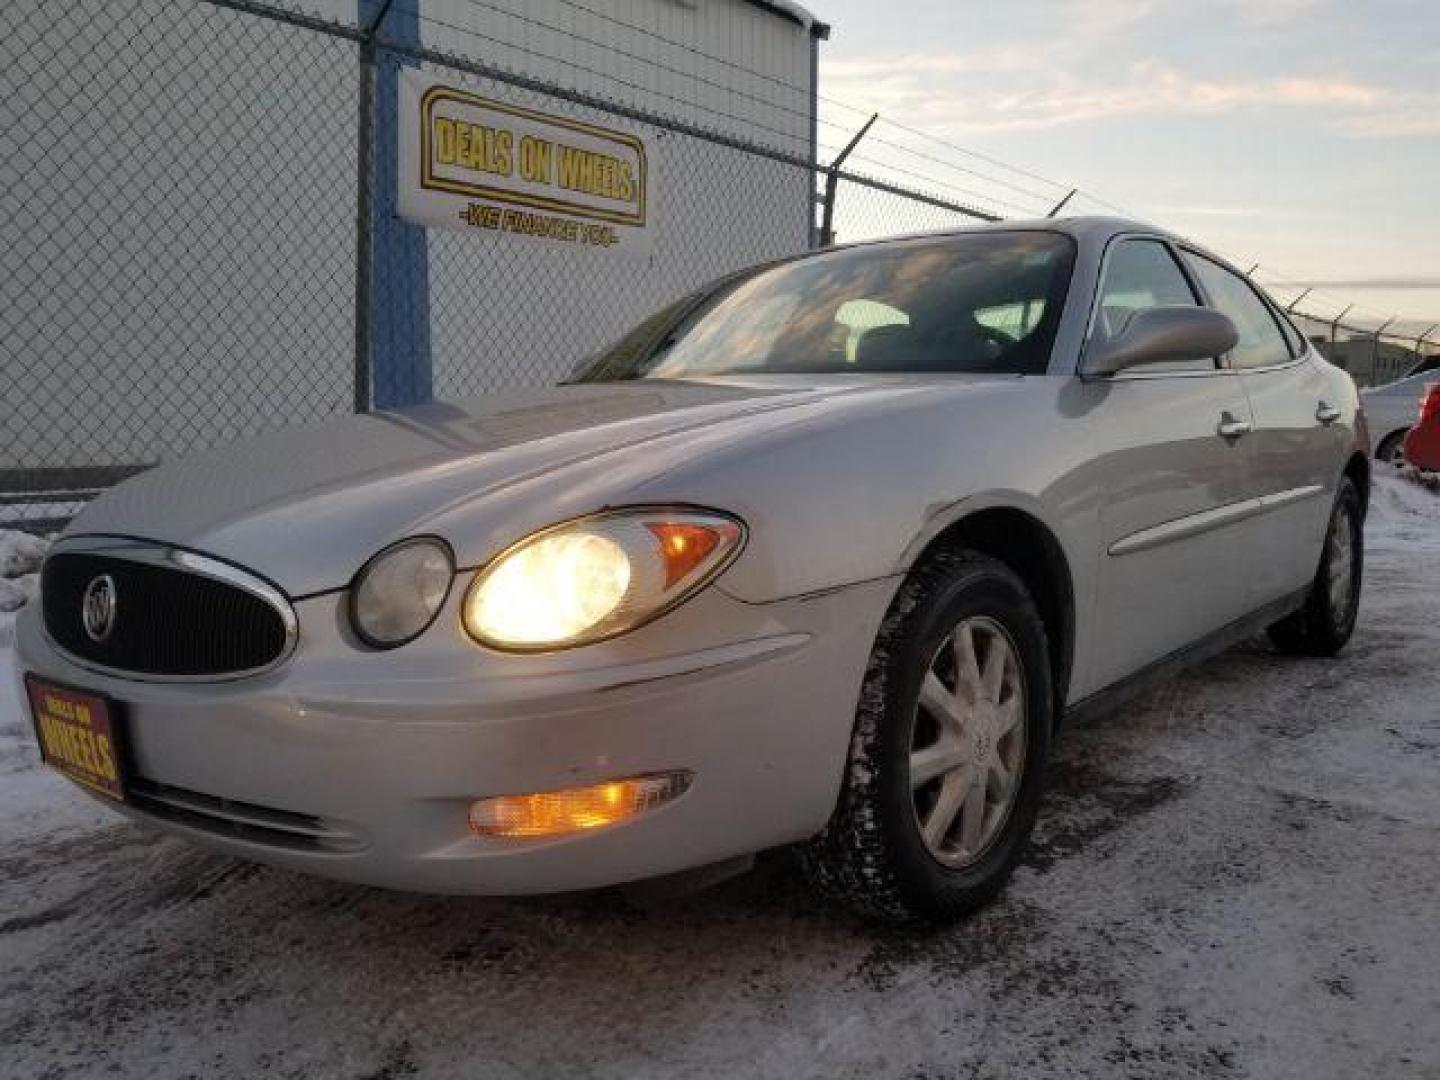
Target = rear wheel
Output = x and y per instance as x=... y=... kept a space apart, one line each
x=1325 y=623
x=948 y=753
x=1392 y=448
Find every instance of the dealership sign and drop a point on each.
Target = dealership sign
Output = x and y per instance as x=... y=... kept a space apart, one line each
x=468 y=162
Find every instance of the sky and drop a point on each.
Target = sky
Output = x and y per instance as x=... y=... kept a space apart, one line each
x=1302 y=134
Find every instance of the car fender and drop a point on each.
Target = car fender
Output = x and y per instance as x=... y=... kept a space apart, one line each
x=855 y=491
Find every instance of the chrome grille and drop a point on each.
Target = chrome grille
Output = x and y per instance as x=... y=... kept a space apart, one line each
x=174 y=614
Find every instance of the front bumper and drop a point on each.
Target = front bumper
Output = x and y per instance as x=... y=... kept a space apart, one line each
x=378 y=756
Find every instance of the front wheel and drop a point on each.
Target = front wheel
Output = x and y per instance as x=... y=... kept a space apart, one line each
x=1325 y=623
x=948 y=752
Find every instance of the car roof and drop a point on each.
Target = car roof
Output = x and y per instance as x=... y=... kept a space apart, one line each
x=1091 y=232
x=1090 y=227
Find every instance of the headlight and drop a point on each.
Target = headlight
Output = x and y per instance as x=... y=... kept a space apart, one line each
x=398 y=593
x=597 y=577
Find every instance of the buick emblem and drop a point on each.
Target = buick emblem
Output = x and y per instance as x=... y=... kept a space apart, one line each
x=97 y=608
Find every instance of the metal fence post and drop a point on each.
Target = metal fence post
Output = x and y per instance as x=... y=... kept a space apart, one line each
x=392 y=301
x=1062 y=203
x=813 y=239
x=832 y=179
x=1335 y=324
x=364 y=153
x=1375 y=346
x=1420 y=342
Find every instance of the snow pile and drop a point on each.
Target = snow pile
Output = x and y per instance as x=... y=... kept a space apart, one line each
x=1404 y=511
x=1429 y=478
x=20 y=555
x=1234 y=876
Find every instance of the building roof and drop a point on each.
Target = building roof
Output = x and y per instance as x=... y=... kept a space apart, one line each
x=790 y=10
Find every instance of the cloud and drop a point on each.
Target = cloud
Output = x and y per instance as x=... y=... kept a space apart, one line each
x=945 y=89
x=1274 y=12
x=993 y=59
x=1212 y=211
x=1049 y=63
x=1416 y=282
x=1408 y=118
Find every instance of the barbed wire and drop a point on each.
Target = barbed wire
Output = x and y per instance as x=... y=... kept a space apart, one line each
x=1291 y=285
x=932 y=137
x=940 y=185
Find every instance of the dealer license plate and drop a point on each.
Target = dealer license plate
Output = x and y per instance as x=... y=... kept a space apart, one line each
x=79 y=735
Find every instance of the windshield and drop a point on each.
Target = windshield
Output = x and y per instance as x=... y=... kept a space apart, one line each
x=976 y=302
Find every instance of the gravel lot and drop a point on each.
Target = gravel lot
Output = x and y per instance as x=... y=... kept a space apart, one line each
x=1238 y=875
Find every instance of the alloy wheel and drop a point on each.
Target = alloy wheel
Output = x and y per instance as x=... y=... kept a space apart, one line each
x=1341 y=544
x=967 y=750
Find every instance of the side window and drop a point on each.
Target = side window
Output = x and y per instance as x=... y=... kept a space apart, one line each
x=1261 y=343
x=1298 y=344
x=1143 y=274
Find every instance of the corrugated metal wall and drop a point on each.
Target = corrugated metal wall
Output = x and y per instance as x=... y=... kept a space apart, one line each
x=508 y=313
x=177 y=216
x=727 y=65
x=178 y=182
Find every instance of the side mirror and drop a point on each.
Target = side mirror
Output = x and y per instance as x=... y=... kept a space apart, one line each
x=1162 y=333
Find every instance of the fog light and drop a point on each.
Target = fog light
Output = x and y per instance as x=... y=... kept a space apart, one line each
x=554 y=813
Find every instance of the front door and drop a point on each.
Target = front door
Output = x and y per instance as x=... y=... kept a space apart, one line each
x=1172 y=458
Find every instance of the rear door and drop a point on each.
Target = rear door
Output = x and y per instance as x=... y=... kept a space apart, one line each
x=1171 y=441
x=1297 y=449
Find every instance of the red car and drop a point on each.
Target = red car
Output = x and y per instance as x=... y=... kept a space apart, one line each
x=1422 y=444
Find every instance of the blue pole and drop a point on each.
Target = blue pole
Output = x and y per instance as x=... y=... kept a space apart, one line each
x=400 y=293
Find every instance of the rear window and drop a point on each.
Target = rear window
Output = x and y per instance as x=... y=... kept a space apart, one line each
x=1424 y=366
x=1261 y=342
x=1298 y=343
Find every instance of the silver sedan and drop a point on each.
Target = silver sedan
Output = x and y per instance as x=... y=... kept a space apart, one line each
x=1394 y=407
x=821 y=556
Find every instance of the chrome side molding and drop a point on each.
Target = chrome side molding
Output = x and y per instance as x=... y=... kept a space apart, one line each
x=1181 y=528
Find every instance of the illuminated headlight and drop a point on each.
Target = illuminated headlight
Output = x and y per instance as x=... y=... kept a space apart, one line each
x=398 y=593
x=597 y=577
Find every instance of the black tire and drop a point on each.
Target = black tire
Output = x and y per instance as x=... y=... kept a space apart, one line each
x=871 y=856
x=1391 y=448
x=1322 y=627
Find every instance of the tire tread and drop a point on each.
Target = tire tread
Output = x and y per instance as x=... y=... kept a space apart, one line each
x=849 y=861
x=1311 y=631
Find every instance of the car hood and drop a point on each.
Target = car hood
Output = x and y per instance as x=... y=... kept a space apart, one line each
x=307 y=506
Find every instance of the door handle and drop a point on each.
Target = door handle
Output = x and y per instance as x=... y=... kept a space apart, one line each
x=1230 y=428
x=1327 y=413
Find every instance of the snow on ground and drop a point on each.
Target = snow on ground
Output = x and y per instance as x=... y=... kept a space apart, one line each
x=20 y=555
x=1235 y=876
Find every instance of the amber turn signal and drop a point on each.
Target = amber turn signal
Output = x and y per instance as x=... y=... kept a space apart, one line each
x=555 y=813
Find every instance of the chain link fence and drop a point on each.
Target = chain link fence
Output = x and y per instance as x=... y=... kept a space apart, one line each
x=546 y=311
x=1373 y=349
x=866 y=207
x=171 y=275
x=192 y=193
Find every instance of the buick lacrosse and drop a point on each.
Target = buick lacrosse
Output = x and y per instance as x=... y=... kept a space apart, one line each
x=820 y=556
